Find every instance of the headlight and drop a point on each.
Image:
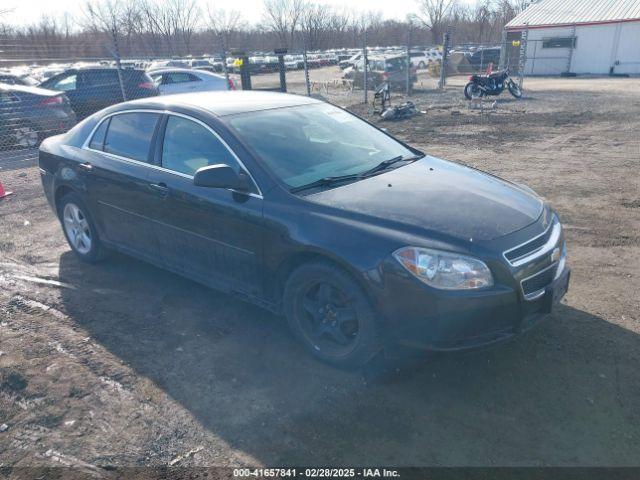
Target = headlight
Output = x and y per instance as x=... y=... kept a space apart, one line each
x=447 y=271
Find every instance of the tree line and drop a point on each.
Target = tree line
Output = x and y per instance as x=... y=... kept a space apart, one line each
x=161 y=28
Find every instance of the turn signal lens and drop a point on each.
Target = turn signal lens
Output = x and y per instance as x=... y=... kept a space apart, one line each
x=444 y=270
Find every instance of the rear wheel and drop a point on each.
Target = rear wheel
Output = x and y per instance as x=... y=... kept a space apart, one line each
x=26 y=136
x=79 y=229
x=330 y=313
x=472 y=90
x=514 y=89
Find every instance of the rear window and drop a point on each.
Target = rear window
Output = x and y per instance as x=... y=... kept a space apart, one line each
x=129 y=135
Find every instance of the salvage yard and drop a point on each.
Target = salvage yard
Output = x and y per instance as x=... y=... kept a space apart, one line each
x=121 y=363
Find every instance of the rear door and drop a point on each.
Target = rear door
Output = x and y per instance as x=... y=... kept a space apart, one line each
x=211 y=234
x=99 y=89
x=116 y=174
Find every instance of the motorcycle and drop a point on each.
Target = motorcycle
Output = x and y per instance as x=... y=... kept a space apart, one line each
x=491 y=84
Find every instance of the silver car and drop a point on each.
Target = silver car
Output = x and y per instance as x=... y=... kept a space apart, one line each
x=183 y=80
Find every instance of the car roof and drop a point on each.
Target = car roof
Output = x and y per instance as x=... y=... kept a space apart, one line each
x=221 y=103
x=205 y=73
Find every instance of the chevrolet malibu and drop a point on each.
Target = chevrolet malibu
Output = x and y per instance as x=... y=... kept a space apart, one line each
x=363 y=242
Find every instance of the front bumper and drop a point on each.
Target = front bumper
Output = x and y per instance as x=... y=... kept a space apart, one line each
x=453 y=321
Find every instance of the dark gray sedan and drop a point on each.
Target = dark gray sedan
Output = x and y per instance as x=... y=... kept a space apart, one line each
x=28 y=115
x=362 y=241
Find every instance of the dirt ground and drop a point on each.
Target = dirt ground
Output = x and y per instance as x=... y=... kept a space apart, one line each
x=124 y=364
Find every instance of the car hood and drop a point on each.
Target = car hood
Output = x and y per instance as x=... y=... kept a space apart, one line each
x=439 y=196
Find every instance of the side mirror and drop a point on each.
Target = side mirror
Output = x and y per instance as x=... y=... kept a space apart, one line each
x=220 y=176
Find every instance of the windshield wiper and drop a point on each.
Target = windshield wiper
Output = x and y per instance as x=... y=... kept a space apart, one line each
x=326 y=181
x=387 y=163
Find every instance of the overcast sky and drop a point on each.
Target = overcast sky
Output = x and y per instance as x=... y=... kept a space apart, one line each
x=30 y=11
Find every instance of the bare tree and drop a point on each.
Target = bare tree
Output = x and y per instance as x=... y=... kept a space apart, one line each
x=283 y=17
x=435 y=14
x=316 y=22
x=223 y=23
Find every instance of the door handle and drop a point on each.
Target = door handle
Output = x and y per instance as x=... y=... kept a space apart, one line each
x=87 y=167
x=161 y=188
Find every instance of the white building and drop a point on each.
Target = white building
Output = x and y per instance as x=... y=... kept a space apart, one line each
x=578 y=37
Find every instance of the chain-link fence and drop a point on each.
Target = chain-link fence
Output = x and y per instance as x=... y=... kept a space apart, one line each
x=46 y=86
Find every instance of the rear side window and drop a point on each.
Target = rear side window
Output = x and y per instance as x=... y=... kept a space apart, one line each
x=97 y=142
x=129 y=135
x=99 y=78
x=179 y=77
x=188 y=146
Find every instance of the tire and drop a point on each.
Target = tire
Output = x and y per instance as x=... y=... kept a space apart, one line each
x=26 y=136
x=316 y=296
x=471 y=91
x=79 y=229
x=514 y=89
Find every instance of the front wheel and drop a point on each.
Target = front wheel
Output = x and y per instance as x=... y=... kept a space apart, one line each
x=331 y=314
x=472 y=90
x=514 y=89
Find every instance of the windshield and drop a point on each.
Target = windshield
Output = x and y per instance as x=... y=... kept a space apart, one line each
x=307 y=143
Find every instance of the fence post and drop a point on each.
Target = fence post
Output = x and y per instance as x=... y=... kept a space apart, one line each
x=306 y=65
x=280 y=52
x=116 y=52
x=366 y=66
x=225 y=70
x=409 y=58
x=523 y=55
x=445 y=56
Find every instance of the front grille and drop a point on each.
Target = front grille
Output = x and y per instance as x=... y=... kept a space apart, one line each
x=536 y=247
x=528 y=248
x=539 y=281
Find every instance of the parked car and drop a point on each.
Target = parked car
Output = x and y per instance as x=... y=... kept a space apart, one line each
x=30 y=114
x=419 y=59
x=213 y=67
x=271 y=197
x=14 y=79
x=351 y=61
x=293 y=62
x=92 y=89
x=481 y=58
x=180 y=80
x=389 y=69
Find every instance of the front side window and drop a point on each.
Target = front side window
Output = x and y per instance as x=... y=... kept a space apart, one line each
x=188 y=146
x=307 y=143
x=129 y=135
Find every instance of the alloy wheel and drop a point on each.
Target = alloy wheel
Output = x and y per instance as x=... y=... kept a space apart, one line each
x=77 y=228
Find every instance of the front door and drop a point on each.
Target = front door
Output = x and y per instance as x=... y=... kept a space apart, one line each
x=213 y=235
